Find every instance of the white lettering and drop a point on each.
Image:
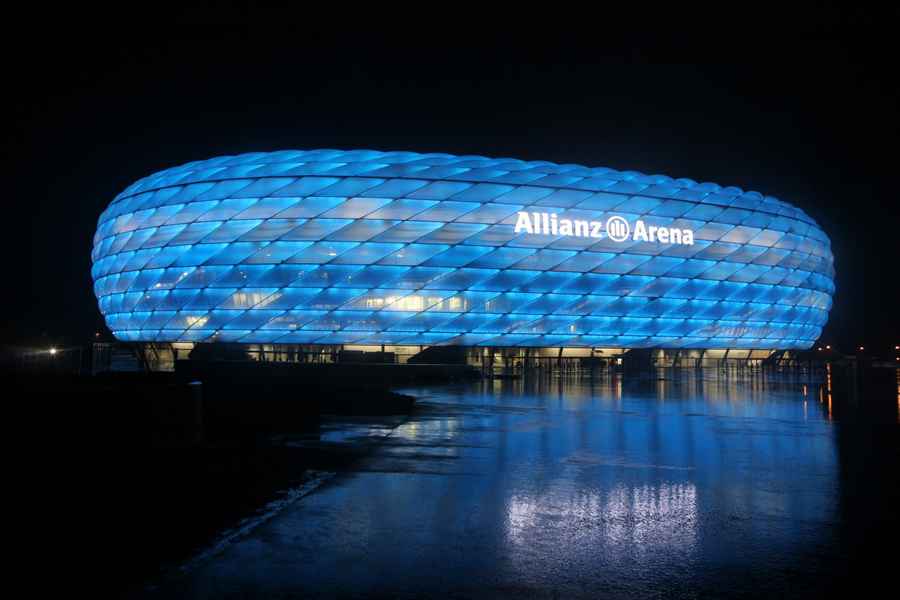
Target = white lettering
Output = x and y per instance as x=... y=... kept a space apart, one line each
x=582 y=229
x=640 y=232
x=618 y=229
x=663 y=235
x=523 y=223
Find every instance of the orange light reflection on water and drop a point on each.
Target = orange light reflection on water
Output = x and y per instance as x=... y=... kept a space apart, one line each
x=805 y=408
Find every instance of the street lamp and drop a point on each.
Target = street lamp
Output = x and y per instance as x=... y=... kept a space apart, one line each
x=52 y=351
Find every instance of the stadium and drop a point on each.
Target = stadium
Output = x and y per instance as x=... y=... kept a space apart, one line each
x=299 y=253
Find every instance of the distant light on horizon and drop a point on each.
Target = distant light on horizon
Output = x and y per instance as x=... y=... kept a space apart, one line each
x=52 y=350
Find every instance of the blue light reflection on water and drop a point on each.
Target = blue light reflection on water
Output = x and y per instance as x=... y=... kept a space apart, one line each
x=569 y=488
x=664 y=474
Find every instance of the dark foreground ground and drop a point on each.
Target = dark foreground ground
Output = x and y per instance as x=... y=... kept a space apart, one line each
x=691 y=486
x=123 y=478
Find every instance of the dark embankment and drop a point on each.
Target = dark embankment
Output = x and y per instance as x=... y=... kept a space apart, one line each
x=123 y=475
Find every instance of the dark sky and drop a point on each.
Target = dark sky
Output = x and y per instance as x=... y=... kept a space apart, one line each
x=801 y=104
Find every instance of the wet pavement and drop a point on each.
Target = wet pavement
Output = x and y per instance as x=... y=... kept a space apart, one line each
x=695 y=485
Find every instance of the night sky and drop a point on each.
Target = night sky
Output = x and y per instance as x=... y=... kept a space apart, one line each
x=800 y=105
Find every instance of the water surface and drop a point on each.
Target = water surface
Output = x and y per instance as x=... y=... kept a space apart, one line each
x=695 y=484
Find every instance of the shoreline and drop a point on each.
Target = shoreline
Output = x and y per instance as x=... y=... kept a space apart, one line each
x=131 y=472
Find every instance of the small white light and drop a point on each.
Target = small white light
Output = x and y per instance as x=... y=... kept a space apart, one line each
x=52 y=350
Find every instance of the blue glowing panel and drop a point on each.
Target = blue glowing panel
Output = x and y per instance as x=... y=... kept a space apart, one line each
x=334 y=247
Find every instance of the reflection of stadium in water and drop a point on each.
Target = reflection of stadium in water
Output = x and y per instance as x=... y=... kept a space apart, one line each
x=611 y=488
x=635 y=518
x=619 y=471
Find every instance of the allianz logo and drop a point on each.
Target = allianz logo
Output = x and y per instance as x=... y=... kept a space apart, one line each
x=616 y=228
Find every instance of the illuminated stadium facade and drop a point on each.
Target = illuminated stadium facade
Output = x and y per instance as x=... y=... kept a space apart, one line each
x=366 y=248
